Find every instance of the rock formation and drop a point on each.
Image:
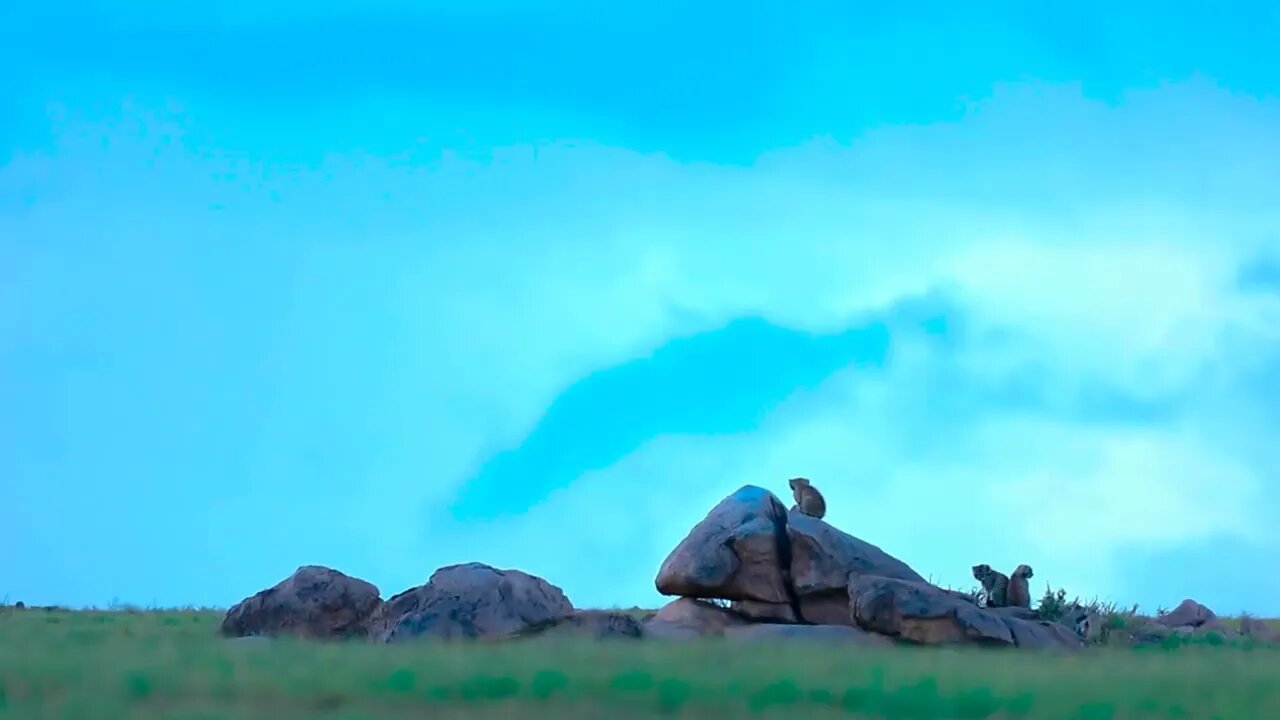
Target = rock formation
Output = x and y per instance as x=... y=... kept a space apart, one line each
x=780 y=568
x=749 y=571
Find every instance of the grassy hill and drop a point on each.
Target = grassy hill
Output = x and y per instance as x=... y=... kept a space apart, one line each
x=171 y=665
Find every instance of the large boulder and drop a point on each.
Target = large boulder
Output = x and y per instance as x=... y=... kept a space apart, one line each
x=920 y=613
x=735 y=553
x=314 y=602
x=823 y=557
x=471 y=600
x=687 y=618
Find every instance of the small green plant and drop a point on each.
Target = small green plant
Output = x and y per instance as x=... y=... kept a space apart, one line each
x=1054 y=605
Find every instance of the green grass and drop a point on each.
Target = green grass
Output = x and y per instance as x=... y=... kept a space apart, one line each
x=161 y=664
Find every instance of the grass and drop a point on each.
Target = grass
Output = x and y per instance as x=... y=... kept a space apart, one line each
x=169 y=664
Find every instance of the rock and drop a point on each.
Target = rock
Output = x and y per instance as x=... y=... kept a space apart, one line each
x=735 y=553
x=472 y=600
x=594 y=624
x=828 y=608
x=969 y=598
x=764 y=612
x=1189 y=613
x=921 y=613
x=823 y=557
x=688 y=618
x=843 y=634
x=1019 y=613
x=1040 y=634
x=314 y=602
x=1256 y=629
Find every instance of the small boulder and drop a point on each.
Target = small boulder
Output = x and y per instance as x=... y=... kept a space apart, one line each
x=471 y=600
x=314 y=602
x=687 y=618
x=921 y=613
x=732 y=554
x=1189 y=613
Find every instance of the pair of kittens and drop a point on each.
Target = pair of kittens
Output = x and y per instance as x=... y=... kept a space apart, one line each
x=1003 y=590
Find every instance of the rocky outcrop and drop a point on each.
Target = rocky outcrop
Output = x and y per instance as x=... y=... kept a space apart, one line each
x=314 y=602
x=471 y=600
x=786 y=570
x=749 y=571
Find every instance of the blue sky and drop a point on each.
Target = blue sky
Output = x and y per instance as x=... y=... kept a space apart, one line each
x=389 y=285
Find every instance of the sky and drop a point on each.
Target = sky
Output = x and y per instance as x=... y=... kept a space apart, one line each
x=390 y=285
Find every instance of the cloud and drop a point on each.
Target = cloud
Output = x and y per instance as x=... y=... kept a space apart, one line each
x=719 y=381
